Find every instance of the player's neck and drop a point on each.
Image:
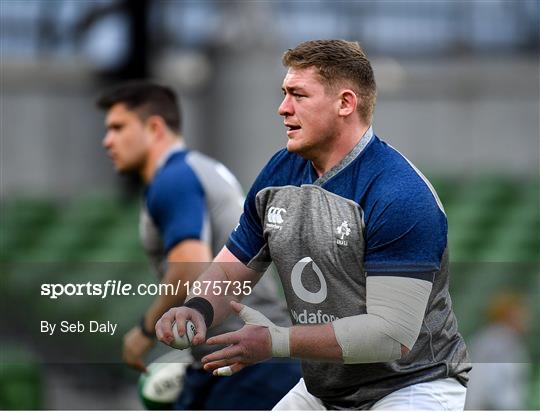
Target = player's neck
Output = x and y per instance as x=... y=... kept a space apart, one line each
x=155 y=154
x=337 y=150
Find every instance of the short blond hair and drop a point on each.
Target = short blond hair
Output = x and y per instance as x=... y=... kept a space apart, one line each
x=338 y=61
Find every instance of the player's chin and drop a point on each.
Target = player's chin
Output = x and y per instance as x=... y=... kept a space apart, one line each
x=294 y=146
x=124 y=168
x=299 y=148
x=118 y=165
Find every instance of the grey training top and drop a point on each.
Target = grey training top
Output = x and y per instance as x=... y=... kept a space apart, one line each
x=373 y=214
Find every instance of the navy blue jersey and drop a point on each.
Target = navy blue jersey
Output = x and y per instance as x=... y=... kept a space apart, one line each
x=191 y=196
x=175 y=200
x=373 y=214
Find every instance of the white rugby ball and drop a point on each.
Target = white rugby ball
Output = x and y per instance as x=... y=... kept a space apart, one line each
x=183 y=342
x=161 y=385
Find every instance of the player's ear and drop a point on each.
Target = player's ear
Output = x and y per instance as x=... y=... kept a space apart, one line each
x=156 y=125
x=348 y=102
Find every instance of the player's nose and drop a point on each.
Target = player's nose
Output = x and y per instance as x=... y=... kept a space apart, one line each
x=107 y=141
x=285 y=108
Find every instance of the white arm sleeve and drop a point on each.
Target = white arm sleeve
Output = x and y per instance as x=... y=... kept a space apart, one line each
x=395 y=311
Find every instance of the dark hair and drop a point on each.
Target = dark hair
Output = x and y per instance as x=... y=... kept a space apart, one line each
x=146 y=99
x=338 y=61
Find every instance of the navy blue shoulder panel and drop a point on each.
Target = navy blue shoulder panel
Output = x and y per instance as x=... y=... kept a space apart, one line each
x=176 y=202
x=405 y=228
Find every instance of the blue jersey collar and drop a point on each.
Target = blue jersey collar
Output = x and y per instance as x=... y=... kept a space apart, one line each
x=347 y=160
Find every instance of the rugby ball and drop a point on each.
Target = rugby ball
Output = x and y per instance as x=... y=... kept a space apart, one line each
x=183 y=342
x=161 y=385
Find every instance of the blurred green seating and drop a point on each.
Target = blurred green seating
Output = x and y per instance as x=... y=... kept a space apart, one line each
x=21 y=381
x=91 y=228
x=494 y=239
x=490 y=219
x=494 y=220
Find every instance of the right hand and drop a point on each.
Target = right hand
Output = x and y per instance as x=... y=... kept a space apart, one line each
x=135 y=347
x=180 y=315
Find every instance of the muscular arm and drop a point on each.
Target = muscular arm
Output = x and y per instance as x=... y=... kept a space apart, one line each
x=389 y=329
x=226 y=267
x=185 y=261
x=319 y=342
x=316 y=342
x=395 y=312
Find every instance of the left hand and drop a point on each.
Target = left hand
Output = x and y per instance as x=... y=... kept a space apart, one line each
x=135 y=347
x=249 y=345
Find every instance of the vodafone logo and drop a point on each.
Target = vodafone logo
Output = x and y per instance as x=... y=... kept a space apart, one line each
x=298 y=287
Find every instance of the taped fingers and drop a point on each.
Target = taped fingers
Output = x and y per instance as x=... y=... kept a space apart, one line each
x=224 y=371
x=252 y=317
x=229 y=370
x=212 y=366
x=279 y=335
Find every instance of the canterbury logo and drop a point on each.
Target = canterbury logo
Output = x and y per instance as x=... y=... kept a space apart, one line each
x=274 y=215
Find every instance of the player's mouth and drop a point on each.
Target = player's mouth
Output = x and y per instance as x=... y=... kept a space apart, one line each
x=114 y=158
x=292 y=129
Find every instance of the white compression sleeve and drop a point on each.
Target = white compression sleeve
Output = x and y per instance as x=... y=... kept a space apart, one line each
x=395 y=312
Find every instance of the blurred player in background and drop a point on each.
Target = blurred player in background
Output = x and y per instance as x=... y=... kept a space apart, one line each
x=501 y=374
x=191 y=204
x=359 y=239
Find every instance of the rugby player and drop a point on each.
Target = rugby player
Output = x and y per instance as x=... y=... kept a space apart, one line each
x=359 y=239
x=191 y=203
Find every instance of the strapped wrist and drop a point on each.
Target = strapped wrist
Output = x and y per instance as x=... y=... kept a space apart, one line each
x=144 y=331
x=280 y=341
x=279 y=335
x=202 y=306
